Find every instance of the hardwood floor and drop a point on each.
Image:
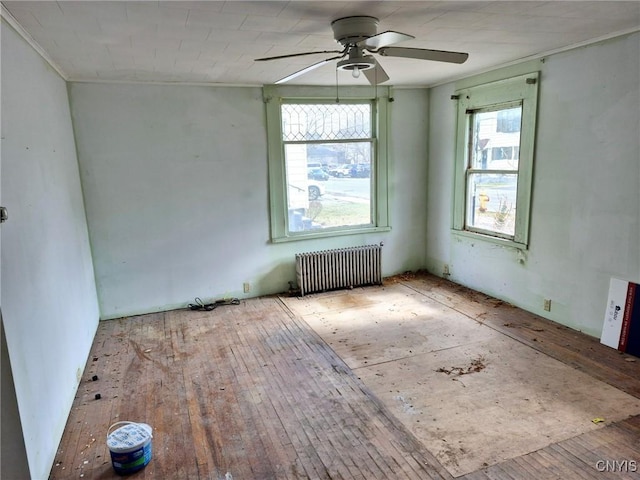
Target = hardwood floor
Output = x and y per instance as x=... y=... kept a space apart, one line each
x=252 y=391
x=246 y=389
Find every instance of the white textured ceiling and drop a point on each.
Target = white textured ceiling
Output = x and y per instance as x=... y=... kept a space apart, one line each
x=217 y=42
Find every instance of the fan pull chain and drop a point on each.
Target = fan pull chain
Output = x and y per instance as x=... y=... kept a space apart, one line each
x=375 y=82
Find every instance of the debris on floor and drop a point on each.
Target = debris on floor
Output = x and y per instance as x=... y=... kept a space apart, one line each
x=476 y=365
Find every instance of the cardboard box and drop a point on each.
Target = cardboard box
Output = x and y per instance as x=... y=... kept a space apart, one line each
x=621 y=329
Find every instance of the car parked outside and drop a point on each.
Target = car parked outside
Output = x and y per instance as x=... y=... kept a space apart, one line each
x=357 y=170
x=340 y=171
x=317 y=174
x=360 y=170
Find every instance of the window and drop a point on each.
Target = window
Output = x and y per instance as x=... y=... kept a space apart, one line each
x=494 y=159
x=339 y=137
x=327 y=165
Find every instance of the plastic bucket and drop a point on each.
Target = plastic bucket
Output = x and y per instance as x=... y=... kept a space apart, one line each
x=130 y=446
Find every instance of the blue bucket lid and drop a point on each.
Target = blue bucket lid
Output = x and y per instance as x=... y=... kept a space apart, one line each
x=130 y=436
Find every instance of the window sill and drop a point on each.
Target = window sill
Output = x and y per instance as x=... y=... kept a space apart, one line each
x=488 y=238
x=294 y=237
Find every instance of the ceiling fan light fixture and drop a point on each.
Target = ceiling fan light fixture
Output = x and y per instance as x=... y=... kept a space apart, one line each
x=354 y=65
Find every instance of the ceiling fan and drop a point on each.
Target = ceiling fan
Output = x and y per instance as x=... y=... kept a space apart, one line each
x=358 y=35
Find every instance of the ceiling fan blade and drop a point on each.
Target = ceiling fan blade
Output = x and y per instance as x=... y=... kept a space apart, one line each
x=424 y=54
x=376 y=74
x=296 y=55
x=383 y=39
x=307 y=69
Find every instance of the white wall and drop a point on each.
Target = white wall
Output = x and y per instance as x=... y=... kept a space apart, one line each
x=175 y=181
x=585 y=218
x=49 y=303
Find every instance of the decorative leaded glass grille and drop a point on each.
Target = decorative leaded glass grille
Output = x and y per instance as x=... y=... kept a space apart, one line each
x=309 y=122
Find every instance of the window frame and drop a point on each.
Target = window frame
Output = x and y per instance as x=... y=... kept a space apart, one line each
x=519 y=89
x=274 y=96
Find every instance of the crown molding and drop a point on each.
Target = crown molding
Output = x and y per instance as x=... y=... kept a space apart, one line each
x=10 y=19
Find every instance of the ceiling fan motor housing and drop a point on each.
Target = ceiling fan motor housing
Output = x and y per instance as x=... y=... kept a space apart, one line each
x=350 y=30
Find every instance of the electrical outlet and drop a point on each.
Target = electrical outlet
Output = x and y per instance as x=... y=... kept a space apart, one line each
x=445 y=270
x=547 y=304
x=246 y=287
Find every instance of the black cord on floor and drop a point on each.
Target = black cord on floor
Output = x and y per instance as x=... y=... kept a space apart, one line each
x=200 y=305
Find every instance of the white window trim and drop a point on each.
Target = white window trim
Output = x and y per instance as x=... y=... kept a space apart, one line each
x=273 y=95
x=521 y=88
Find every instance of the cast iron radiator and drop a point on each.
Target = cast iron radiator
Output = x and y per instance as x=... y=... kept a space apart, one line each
x=339 y=268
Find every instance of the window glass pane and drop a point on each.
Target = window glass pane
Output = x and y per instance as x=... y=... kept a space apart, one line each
x=495 y=139
x=328 y=185
x=509 y=120
x=302 y=122
x=491 y=202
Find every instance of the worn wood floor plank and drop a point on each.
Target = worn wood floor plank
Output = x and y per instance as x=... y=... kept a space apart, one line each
x=284 y=371
x=566 y=455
